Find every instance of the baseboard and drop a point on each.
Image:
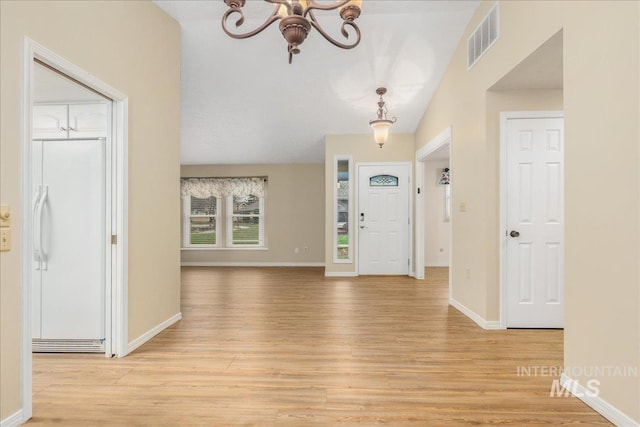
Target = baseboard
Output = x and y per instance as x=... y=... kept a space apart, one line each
x=153 y=332
x=437 y=264
x=484 y=324
x=340 y=274
x=599 y=405
x=13 y=420
x=252 y=264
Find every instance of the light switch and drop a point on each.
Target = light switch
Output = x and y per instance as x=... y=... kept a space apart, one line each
x=5 y=239
x=463 y=207
x=5 y=213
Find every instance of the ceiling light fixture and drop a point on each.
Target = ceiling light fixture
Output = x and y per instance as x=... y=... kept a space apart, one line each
x=296 y=19
x=382 y=124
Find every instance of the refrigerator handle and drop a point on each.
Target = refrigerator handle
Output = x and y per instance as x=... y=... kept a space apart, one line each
x=41 y=202
x=35 y=232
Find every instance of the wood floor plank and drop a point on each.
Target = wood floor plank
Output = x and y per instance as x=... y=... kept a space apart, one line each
x=289 y=347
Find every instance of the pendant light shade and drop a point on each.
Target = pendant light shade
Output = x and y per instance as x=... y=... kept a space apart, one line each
x=381 y=130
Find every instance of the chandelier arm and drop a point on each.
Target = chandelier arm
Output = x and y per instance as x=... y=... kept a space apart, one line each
x=344 y=32
x=313 y=4
x=270 y=20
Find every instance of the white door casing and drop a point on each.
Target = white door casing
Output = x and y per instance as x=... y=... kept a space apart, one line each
x=383 y=219
x=534 y=232
x=117 y=162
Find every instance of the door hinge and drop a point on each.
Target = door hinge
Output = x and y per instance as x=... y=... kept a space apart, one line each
x=114 y=239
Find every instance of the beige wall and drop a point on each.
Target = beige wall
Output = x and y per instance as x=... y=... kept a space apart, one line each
x=437 y=231
x=399 y=148
x=601 y=86
x=135 y=48
x=294 y=214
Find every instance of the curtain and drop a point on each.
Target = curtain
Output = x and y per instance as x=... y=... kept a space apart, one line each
x=222 y=187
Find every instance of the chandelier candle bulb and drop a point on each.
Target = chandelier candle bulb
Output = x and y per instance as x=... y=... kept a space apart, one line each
x=296 y=19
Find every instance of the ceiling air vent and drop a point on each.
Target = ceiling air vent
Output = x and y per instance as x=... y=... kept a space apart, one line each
x=483 y=37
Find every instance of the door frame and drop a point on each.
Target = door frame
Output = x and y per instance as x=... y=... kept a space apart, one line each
x=422 y=155
x=116 y=306
x=357 y=209
x=505 y=116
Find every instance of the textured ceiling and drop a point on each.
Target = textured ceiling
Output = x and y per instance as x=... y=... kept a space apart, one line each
x=243 y=103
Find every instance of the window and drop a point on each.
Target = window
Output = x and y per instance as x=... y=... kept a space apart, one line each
x=383 y=181
x=342 y=209
x=201 y=218
x=223 y=212
x=245 y=221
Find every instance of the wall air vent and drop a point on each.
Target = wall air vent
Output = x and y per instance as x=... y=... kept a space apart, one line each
x=483 y=37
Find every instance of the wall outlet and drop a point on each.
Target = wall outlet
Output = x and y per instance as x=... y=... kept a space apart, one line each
x=296 y=251
x=463 y=207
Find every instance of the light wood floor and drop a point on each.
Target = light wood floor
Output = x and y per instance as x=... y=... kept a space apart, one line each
x=288 y=347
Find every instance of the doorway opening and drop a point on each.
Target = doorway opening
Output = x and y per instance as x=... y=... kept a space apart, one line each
x=434 y=223
x=533 y=90
x=93 y=99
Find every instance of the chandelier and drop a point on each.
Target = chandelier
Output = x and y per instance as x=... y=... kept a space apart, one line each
x=296 y=19
x=382 y=124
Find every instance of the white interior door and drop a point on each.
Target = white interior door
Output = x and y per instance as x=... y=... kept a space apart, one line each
x=383 y=219
x=69 y=240
x=535 y=221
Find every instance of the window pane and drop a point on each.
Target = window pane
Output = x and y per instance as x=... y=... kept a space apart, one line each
x=383 y=181
x=203 y=231
x=203 y=206
x=246 y=230
x=342 y=203
x=249 y=205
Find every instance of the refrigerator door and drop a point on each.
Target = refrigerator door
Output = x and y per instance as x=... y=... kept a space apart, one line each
x=73 y=240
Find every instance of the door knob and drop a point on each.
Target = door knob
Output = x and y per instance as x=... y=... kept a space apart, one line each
x=514 y=233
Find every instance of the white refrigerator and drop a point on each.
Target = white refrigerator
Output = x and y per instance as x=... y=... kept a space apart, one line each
x=69 y=244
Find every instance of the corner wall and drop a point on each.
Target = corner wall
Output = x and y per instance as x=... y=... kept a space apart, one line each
x=135 y=48
x=601 y=104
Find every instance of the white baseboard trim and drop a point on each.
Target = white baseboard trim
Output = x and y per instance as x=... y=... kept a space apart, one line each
x=340 y=274
x=153 y=332
x=13 y=420
x=252 y=264
x=437 y=264
x=484 y=324
x=599 y=405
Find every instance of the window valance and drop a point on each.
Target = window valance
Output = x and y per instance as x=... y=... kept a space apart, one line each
x=222 y=187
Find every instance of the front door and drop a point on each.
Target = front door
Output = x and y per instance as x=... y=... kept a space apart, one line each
x=383 y=219
x=535 y=222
